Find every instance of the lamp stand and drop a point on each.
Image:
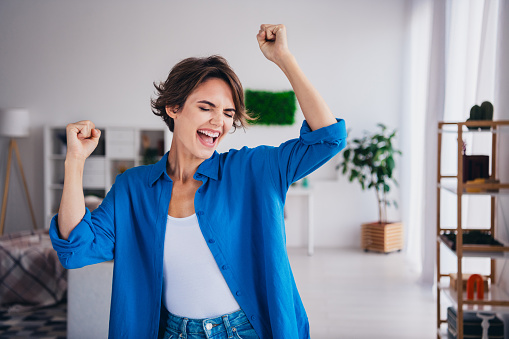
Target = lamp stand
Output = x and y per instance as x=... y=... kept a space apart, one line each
x=14 y=146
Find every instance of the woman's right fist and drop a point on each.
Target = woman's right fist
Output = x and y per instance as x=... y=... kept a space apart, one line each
x=82 y=139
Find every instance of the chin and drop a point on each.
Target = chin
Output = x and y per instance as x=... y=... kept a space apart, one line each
x=205 y=154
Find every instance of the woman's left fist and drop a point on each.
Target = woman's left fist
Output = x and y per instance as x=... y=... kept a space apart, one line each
x=273 y=42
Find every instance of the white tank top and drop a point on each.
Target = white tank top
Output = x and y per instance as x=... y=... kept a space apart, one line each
x=193 y=285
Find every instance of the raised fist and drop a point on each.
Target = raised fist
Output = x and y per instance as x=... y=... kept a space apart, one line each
x=82 y=139
x=273 y=42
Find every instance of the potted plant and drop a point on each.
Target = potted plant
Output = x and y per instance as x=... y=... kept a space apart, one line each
x=370 y=161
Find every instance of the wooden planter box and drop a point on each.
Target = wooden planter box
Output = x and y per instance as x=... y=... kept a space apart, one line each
x=382 y=238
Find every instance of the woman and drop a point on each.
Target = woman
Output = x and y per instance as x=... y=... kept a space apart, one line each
x=198 y=238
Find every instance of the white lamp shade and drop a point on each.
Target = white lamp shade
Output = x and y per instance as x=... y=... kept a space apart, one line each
x=14 y=122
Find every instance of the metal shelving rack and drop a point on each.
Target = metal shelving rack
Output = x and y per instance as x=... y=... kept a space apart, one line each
x=496 y=300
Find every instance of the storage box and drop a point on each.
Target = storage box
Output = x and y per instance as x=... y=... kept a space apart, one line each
x=472 y=326
x=93 y=180
x=94 y=165
x=120 y=151
x=475 y=166
x=93 y=173
x=454 y=279
x=120 y=143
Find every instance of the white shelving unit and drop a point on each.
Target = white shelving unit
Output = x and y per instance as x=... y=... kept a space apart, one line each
x=119 y=148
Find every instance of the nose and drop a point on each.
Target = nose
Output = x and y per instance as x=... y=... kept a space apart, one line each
x=217 y=118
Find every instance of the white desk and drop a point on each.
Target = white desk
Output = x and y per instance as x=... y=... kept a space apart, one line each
x=308 y=193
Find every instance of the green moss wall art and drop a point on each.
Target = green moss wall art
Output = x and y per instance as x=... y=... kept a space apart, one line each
x=271 y=108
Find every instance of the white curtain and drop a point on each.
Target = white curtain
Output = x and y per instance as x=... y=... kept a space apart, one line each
x=453 y=48
x=423 y=107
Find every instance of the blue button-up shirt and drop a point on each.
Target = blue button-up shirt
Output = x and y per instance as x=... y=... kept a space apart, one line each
x=240 y=212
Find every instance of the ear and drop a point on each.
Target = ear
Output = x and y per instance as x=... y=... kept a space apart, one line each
x=172 y=111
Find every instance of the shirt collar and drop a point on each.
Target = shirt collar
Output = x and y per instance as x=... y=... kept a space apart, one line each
x=208 y=168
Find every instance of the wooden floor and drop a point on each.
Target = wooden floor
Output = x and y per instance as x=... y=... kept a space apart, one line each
x=357 y=295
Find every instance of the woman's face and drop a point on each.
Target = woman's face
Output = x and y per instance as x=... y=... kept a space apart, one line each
x=205 y=119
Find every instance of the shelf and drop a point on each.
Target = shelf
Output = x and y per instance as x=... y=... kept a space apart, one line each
x=495 y=294
x=57 y=157
x=471 y=131
x=480 y=251
x=453 y=189
x=452 y=127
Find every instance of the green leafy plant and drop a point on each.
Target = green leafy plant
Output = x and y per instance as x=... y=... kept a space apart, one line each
x=271 y=108
x=370 y=161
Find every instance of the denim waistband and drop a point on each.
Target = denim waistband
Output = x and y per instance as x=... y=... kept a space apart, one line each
x=209 y=326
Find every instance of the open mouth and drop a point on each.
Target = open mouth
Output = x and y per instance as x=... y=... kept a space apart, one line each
x=208 y=138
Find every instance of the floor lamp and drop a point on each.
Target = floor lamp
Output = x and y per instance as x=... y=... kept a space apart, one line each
x=14 y=123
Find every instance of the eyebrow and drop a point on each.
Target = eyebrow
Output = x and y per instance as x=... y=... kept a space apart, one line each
x=211 y=104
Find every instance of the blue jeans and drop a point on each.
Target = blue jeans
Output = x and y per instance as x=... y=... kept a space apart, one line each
x=234 y=325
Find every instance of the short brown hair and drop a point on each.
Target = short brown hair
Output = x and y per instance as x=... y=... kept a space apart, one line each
x=186 y=76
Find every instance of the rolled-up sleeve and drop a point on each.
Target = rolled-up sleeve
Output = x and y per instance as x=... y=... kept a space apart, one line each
x=298 y=158
x=91 y=241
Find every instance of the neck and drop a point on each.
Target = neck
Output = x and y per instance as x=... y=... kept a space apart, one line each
x=181 y=167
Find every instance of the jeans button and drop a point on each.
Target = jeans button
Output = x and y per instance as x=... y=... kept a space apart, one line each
x=208 y=326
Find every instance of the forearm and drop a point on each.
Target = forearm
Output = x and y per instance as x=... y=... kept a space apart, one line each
x=315 y=109
x=72 y=205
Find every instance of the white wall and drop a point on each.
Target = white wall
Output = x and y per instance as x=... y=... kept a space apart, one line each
x=72 y=60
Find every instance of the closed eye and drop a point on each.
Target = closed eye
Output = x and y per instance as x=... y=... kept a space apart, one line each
x=229 y=115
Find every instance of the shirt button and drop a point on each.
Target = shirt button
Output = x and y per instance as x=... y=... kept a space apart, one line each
x=211 y=241
x=239 y=293
x=225 y=267
x=208 y=326
x=200 y=213
x=253 y=317
x=200 y=191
